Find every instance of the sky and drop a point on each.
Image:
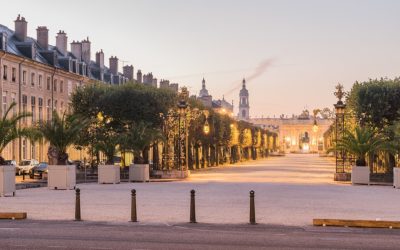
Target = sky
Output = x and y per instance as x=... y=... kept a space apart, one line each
x=293 y=52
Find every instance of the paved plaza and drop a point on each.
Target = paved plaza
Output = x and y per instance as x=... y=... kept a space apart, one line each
x=290 y=190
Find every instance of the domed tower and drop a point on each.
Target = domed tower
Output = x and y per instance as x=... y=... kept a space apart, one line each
x=203 y=91
x=244 y=108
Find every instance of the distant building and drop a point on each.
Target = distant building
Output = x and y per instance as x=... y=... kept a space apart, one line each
x=302 y=133
x=204 y=97
x=244 y=107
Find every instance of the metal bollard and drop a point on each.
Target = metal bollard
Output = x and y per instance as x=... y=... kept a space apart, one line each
x=252 y=209
x=192 y=207
x=78 y=205
x=133 y=206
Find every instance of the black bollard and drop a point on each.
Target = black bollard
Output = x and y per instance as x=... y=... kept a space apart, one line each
x=133 y=206
x=78 y=205
x=252 y=209
x=192 y=207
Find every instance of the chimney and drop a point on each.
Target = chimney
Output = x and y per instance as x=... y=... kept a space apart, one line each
x=139 y=76
x=86 y=51
x=128 y=72
x=42 y=37
x=62 y=42
x=21 y=28
x=76 y=49
x=114 y=65
x=100 y=59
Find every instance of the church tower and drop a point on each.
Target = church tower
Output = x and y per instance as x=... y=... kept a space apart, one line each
x=244 y=107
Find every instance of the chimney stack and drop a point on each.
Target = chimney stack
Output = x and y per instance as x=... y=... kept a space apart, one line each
x=86 y=57
x=21 y=28
x=76 y=49
x=42 y=37
x=139 y=76
x=62 y=42
x=128 y=72
x=100 y=59
x=114 y=65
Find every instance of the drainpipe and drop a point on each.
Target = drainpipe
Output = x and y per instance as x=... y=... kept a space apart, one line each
x=19 y=104
x=52 y=91
x=1 y=78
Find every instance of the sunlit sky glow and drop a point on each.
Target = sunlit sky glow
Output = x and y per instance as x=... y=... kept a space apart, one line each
x=309 y=45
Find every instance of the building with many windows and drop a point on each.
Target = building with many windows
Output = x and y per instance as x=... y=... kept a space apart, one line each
x=40 y=78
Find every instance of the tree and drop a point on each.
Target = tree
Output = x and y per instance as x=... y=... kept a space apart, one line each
x=61 y=132
x=364 y=142
x=137 y=138
x=10 y=130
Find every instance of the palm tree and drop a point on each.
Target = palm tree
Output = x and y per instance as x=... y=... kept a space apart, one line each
x=364 y=142
x=9 y=129
x=137 y=138
x=61 y=132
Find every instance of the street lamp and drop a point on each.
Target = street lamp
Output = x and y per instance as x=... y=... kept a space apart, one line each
x=339 y=131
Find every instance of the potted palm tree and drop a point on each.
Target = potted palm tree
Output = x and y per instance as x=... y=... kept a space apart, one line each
x=61 y=132
x=137 y=138
x=9 y=131
x=109 y=173
x=363 y=143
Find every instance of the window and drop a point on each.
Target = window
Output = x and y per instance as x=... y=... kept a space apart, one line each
x=243 y=113
x=24 y=77
x=14 y=100
x=33 y=150
x=48 y=109
x=24 y=149
x=61 y=86
x=32 y=79
x=61 y=107
x=13 y=74
x=33 y=105
x=40 y=104
x=48 y=83
x=55 y=105
x=40 y=81
x=55 y=86
x=4 y=101
x=24 y=106
x=5 y=72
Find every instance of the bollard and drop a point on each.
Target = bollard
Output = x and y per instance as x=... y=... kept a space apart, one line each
x=192 y=207
x=252 y=209
x=78 y=205
x=133 y=206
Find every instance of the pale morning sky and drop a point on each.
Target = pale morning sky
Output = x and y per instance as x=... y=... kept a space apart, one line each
x=307 y=45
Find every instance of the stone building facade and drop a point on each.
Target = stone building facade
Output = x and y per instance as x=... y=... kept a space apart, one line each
x=40 y=78
x=299 y=134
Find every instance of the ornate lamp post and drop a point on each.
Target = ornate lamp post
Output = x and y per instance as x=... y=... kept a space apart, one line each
x=340 y=107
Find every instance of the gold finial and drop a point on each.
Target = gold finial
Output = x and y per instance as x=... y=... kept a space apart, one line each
x=339 y=92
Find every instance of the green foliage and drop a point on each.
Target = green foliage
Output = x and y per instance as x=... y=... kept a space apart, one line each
x=362 y=143
x=61 y=132
x=9 y=129
x=375 y=103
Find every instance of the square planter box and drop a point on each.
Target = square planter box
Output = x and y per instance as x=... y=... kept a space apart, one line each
x=109 y=174
x=61 y=176
x=396 y=177
x=139 y=172
x=7 y=180
x=360 y=175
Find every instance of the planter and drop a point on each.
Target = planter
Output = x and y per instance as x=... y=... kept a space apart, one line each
x=109 y=174
x=7 y=180
x=360 y=175
x=61 y=176
x=139 y=172
x=396 y=177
